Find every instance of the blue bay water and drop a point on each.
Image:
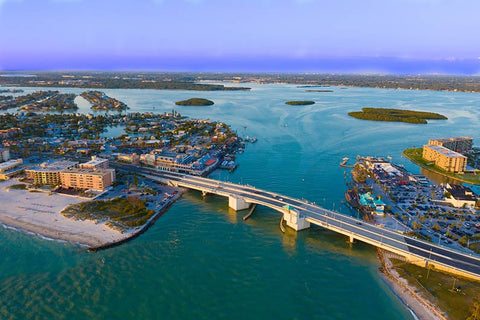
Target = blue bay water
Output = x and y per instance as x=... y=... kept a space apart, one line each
x=201 y=260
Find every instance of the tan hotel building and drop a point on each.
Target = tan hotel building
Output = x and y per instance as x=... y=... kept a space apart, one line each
x=87 y=179
x=444 y=158
x=49 y=174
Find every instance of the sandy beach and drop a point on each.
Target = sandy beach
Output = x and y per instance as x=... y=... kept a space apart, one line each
x=39 y=212
x=423 y=309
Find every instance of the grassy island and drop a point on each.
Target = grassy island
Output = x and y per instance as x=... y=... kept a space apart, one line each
x=415 y=155
x=319 y=90
x=120 y=214
x=300 y=102
x=195 y=102
x=396 y=115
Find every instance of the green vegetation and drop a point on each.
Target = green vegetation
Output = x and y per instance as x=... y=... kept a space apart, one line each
x=120 y=214
x=319 y=90
x=100 y=101
x=396 y=115
x=475 y=247
x=195 y=102
x=19 y=186
x=456 y=296
x=415 y=155
x=300 y=103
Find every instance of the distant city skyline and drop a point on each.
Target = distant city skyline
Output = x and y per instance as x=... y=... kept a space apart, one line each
x=370 y=36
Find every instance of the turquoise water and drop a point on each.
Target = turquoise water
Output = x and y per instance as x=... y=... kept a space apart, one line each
x=201 y=260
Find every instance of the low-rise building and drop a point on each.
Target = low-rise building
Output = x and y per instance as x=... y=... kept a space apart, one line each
x=444 y=158
x=95 y=163
x=458 y=144
x=9 y=169
x=130 y=158
x=87 y=179
x=9 y=165
x=460 y=196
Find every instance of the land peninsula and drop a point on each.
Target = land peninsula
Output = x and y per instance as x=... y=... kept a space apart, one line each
x=100 y=101
x=415 y=155
x=300 y=103
x=396 y=115
x=195 y=102
x=57 y=102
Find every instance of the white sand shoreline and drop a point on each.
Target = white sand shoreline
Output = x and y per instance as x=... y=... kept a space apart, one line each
x=415 y=302
x=39 y=213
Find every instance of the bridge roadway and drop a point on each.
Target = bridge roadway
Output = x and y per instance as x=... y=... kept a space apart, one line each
x=414 y=250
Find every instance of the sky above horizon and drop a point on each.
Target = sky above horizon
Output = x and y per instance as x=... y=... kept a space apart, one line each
x=393 y=36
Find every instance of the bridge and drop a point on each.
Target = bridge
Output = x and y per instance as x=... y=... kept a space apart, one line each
x=300 y=214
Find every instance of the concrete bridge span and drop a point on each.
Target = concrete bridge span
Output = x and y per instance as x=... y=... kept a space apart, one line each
x=300 y=214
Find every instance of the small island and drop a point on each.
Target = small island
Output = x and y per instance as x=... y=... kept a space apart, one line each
x=195 y=102
x=319 y=90
x=396 y=115
x=300 y=102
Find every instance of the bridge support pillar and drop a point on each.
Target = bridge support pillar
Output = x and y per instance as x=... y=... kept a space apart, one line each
x=350 y=238
x=204 y=193
x=237 y=203
x=296 y=220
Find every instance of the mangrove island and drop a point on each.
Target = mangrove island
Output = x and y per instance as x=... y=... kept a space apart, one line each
x=396 y=115
x=300 y=103
x=195 y=102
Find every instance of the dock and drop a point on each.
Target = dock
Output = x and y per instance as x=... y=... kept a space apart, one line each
x=344 y=163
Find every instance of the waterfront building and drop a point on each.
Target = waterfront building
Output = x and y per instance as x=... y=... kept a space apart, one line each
x=9 y=169
x=9 y=165
x=444 y=158
x=95 y=163
x=4 y=154
x=374 y=203
x=457 y=144
x=460 y=196
x=49 y=173
x=87 y=178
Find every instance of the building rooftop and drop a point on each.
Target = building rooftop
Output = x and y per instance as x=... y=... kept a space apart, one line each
x=95 y=161
x=453 y=139
x=8 y=164
x=55 y=166
x=447 y=152
x=461 y=192
x=95 y=172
